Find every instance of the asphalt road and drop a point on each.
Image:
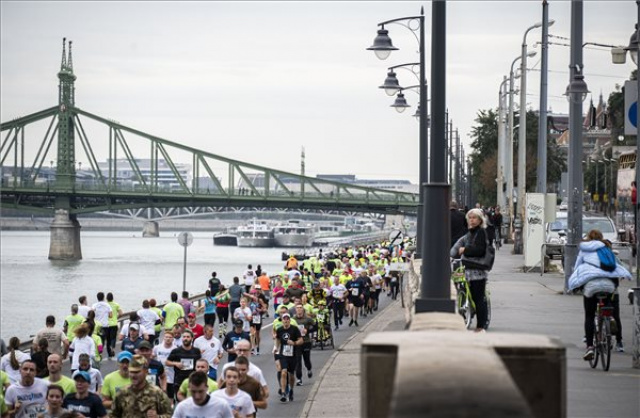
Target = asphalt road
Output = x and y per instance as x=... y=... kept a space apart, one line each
x=266 y=363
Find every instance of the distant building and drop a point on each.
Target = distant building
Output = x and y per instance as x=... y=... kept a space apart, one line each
x=166 y=178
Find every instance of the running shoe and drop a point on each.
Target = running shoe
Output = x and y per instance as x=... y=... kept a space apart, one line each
x=356 y=323
x=619 y=347
x=299 y=382
x=283 y=399
x=351 y=323
x=309 y=374
x=589 y=354
x=291 y=396
x=336 y=328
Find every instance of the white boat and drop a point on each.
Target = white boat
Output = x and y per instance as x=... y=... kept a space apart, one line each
x=255 y=234
x=295 y=234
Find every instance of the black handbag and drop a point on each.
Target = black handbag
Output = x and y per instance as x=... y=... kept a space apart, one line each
x=480 y=263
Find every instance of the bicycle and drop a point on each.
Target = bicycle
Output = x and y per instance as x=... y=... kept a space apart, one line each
x=498 y=239
x=602 y=337
x=464 y=302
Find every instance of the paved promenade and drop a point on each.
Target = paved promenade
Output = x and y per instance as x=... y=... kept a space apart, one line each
x=521 y=303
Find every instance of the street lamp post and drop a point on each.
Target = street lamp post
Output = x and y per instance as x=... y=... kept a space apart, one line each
x=542 y=119
x=522 y=137
x=509 y=150
x=576 y=93
x=501 y=146
x=435 y=289
x=634 y=51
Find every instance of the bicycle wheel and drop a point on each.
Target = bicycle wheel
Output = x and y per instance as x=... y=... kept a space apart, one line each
x=487 y=295
x=464 y=307
x=596 y=346
x=605 y=344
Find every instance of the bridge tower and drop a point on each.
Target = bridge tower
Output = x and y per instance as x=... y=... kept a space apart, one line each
x=65 y=228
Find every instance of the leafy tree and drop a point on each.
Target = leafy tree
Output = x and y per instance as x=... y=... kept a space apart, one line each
x=484 y=156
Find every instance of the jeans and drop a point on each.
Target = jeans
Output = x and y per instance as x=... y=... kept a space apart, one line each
x=477 y=288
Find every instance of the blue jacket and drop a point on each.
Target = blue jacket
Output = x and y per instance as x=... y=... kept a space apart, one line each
x=588 y=266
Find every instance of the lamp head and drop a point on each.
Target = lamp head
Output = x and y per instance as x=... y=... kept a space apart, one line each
x=382 y=45
x=551 y=22
x=531 y=54
x=577 y=89
x=400 y=103
x=391 y=84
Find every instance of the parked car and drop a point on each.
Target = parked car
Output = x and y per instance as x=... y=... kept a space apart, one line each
x=556 y=231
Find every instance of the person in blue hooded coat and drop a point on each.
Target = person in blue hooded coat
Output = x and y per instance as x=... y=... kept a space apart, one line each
x=588 y=275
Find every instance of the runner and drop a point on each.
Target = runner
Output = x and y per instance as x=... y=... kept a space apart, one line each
x=202 y=366
x=305 y=325
x=211 y=350
x=201 y=404
x=287 y=344
x=239 y=401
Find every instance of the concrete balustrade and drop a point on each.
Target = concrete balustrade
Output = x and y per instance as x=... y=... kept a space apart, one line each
x=438 y=368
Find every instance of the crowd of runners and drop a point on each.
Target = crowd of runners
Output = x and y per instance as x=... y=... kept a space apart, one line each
x=169 y=364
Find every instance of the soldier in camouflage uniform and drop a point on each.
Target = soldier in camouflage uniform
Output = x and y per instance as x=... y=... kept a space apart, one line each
x=140 y=399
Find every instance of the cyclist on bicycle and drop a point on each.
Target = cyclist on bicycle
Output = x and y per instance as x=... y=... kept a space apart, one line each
x=589 y=275
x=496 y=220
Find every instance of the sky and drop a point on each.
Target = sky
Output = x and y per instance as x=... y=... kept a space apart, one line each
x=258 y=81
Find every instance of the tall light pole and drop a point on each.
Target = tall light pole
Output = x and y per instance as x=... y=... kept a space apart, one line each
x=435 y=289
x=576 y=93
x=618 y=57
x=509 y=212
x=502 y=134
x=522 y=139
x=541 y=186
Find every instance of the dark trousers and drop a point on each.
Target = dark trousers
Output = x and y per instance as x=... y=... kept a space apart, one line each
x=210 y=319
x=111 y=336
x=306 y=357
x=223 y=314
x=590 y=307
x=395 y=286
x=338 y=312
x=477 y=288
x=232 y=308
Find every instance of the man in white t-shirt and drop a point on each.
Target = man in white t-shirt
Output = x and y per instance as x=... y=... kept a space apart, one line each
x=243 y=348
x=239 y=401
x=201 y=404
x=103 y=312
x=149 y=319
x=28 y=397
x=83 y=308
x=211 y=349
x=161 y=353
x=249 y=278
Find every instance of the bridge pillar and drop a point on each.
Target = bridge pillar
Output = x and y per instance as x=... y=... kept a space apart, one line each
x=151 y=229
x=65 y=237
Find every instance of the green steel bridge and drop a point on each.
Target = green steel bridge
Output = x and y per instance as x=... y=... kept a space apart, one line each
x=74 y=134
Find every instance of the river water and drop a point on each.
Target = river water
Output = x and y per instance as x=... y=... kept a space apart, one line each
x=131 y=267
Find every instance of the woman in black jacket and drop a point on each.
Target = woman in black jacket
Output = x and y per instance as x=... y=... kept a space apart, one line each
x=474 y=244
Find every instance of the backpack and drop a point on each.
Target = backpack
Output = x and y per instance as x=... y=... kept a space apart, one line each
x=607 y=259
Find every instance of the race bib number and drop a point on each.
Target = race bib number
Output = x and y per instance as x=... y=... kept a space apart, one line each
x=302 y=329
x=151 y=379
x=257 y=319
x=187 y=363
x=278 y=300
x=355 y=291
x=321 y=317
x=287 y=350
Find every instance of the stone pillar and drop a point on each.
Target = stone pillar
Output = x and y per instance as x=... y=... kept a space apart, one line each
x=65 y=237
x=151 y=229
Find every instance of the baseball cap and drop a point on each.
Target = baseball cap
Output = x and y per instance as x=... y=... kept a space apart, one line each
x=145 y=344
x=238 y=322
x=191 y=315
x=83 y=375
x=134 y=326
x=257 y=287
x=124 y=355
x=138 y=363
x=286 y=315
